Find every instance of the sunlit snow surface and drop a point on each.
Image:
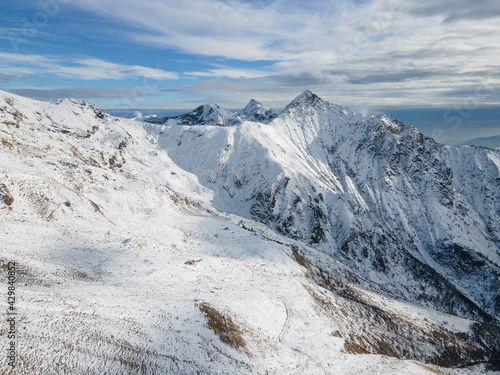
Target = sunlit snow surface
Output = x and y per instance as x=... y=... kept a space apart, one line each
x=106 y=212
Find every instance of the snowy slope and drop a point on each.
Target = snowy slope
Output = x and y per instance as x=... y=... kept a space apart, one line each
x=137 y=252
x=418 y=219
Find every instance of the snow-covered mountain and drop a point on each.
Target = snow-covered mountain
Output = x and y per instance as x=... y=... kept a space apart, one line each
x=492 y=142
x=212 y=114
x=323 y=241
x=419 y=219
x=208 y=114
x=255 y=111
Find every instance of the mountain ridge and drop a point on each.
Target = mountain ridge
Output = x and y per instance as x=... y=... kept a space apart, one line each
x=336 y=146
x=323 y=235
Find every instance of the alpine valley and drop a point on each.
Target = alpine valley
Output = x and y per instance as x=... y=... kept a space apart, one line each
x=311 y=240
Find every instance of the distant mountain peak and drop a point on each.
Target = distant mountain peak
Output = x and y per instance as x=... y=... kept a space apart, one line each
x=307 y=93
x=205 y=109
x=256 y=111
x=253 y=103
x=491 y=142
x=207 y=114
x=252 y=106
x=307 y=98
x=209 y=106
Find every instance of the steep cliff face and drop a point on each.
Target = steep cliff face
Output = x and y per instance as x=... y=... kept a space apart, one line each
x=414 y=217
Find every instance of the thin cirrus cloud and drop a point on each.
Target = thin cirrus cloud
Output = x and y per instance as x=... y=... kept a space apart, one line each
x=457 y=10
x=76 y=92
x=423 y=46
x=229 y=73
x=387 y=52
x=236 y=29
x=7 y=77
x=81 y=69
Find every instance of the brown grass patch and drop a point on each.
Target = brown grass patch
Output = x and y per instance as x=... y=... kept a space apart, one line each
x=353 y=348
x=88 y=161
x=21 y=270
x=367 y=328
x=299 y=258
x=5 y=195
x=302 y=260
x=180 y=200
x=23 y=273
x=42 y=204
x=95 y=206
x=223 y=326
x=7 y=144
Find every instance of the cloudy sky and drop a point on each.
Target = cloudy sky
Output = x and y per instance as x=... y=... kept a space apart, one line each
x=418 y=59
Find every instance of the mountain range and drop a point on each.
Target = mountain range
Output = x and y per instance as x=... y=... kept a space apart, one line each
x=308 y=240
x=492 y=142
x=212 y=114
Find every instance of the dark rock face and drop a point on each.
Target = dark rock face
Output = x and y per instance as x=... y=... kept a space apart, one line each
x=255 y=111
x=421 y=219
x=408 y=217
x=391 y=234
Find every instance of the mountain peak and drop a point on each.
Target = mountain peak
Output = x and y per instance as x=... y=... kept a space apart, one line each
x=256 y=111
x=253 y=103
x=207 y=114
x=205 y=109
x=252 y=106
x=306 y=98
x=209 y=106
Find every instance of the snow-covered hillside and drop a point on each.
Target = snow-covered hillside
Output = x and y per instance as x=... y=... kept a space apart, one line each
x=323 y=242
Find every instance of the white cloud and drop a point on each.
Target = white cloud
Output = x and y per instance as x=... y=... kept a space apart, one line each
x=229 y=73
x=77 y=92
x=24 y=59
x=82 y=69
x=384 y=52
x=385 y=49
